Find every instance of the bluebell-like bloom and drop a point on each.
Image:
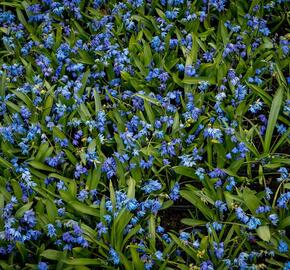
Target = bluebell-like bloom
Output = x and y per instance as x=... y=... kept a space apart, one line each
x=114 y=256
x=283 y=200
x=263 y=209
x=241 y=215
x=132 y=204
x=151 y=186
x=286 y=266
x=158 y=254
x=200 y=172
x=213 y=133
x=184 y=236
x=253 y=223
x=206 y=265
x=42 y=266
x=221 y=206
x=283 y=174
x=109 y=167
x=80 y=170
x=219 y=250
x=215 y=225
x=174 y=193
x=190 y=71
x=274 y=219
x=29 y=218
x=282 y=246
x=83 y=195
x=281 y=129
x=51 y=231
x=102 y=229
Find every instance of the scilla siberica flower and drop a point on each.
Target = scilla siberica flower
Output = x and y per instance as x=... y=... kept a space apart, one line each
x=174 y=193
x=287 y=266
x=221 y=206
x=274 y=219
x=151 y=186
x=282 y=246
x=218 y=249
x=206 y=265
x=109 y=167
x=42 y=266
x=114 y=256
x=51 y=232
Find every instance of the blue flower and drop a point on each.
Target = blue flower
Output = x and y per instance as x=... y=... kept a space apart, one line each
x=109 y=167
x=253 y=223
x=286 y=266
x=29 y=218
x=283 y=200
x=206 y=265
x=200 y=173
x=282 y=246
x=101 y=229
x=132 y=204
x=284 y=174
x=218 y=249
x=174 y=193
x=114 y=256
x=274 y=219
x=51 y=232
x=190 y=71
x=42 y=266
x=158 y=254
x=151 y=186
x=83 y=195
x=221 y=206
x=184 y=236
x=263 y=209
x=241 y=215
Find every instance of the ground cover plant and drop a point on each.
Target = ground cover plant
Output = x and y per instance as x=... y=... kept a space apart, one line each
x=144 y=134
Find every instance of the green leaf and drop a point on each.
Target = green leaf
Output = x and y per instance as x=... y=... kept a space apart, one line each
x=190 y=195
x=193 y=222
x=47 y=106
x=197 y=80
x=251 y=200
x=84 y=112
x=5 y=163
x=60 y=177
x=98 y=104
x=131 y=188
x=83 y=261
x=20 y=212
x=273 y=116
x=84 y=80
x=17 y=189
x=147 y=54
x=2 y=84
x=149 y=112
x=52 y=254
x=51 y=210
x=149 y=99
x=83 y=208
x=71 y=157
x=152 y=234
x=186 y=171
x=43 y=152
x=40 y=166
x=285 y=222
x=264 y=233
x=176 y=122
x=186 y=248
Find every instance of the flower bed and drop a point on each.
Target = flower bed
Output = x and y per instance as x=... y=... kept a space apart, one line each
x=144 y=134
